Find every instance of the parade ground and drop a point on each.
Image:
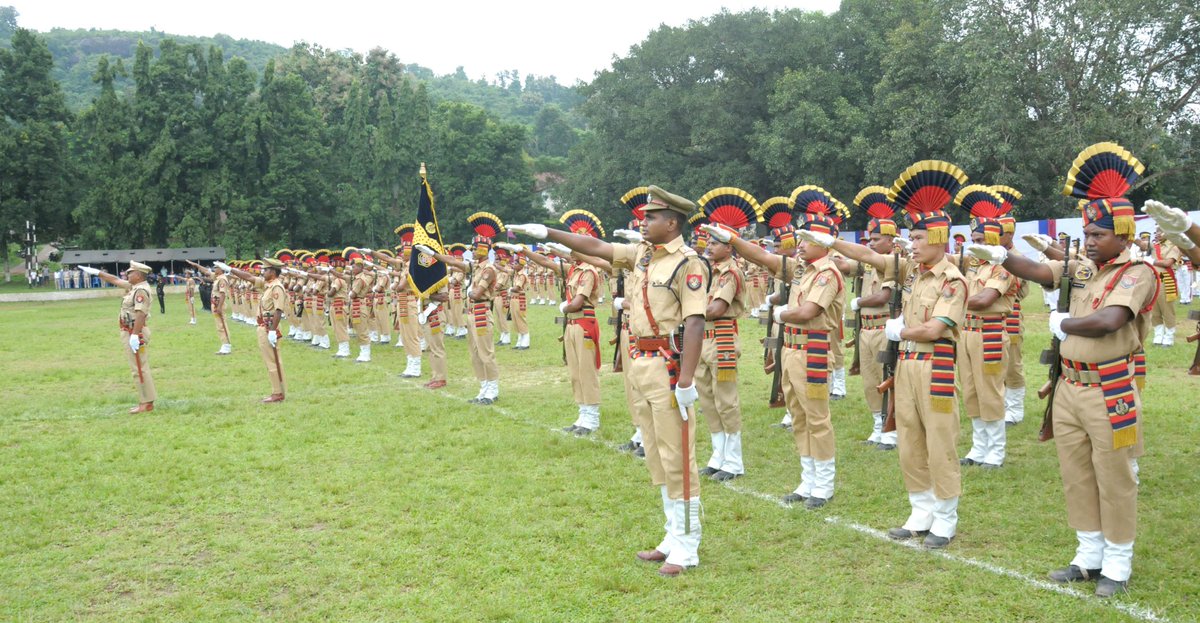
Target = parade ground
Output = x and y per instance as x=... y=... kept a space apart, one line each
x=364 y=497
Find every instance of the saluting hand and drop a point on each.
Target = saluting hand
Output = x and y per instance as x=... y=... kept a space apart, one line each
x=1170 y=220
x=628 y=234
x=533 y=230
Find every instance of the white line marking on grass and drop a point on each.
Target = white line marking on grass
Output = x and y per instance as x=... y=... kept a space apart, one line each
x=1130 y=608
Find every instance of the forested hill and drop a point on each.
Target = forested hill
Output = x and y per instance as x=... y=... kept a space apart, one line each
x=507 y=95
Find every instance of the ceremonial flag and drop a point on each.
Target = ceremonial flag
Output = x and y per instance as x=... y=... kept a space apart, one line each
x=425 y=274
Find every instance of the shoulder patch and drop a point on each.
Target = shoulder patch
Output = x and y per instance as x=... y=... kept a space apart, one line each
x=948 y=291
x=694 y=282
x=822 y=280
x=1084 y=272
x=1128 y=280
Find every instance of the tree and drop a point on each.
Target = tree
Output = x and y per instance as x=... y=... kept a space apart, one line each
x=35 y=169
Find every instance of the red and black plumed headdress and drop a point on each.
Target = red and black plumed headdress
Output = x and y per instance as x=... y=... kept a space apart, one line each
x=730 y=207
x=923 y=190
x=777 y=214
x=985 y=207
x=635 y=200
x=487 y=226
x=405 y=232
x=874 y=201
x=583 y=223
x=699 y=236
x=821 y=211
x=1010 y=195
x=1099 y=178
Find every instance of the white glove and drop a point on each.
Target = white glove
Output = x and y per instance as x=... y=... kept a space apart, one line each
x=779 y=309
x=323 y=268
x=1040 y=242
x=903 y=243
x=562 y=307
x=134 y=343
x=558 y=249
x=719 y=234
x=686 y=397
x=89 y=270
x=420 y=248
x=509 y=247
x=424 y=315
x=628 y=234
x=994 y=255
x=273 y=338
x=1170 y=220
x=854 y=305
x=892 y=329
x=1056 y=320
x=1181 y=241
x=223 y=266
x=533 y=230
x=619 y=302
x=365 y=250
x=816 y=237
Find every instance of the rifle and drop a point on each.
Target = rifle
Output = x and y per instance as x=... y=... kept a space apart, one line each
x=891 y=356
x=858 y=286
x=1051 y=356
x=1195 y=369
x=773 y=344
x=617 y=320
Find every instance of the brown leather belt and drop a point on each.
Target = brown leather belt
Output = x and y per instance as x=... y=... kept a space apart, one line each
x=652 y=344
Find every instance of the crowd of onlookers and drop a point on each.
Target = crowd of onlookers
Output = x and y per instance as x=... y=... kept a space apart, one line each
x=75 y=279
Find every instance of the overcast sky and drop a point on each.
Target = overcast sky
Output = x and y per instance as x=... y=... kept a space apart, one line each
x=569 y=40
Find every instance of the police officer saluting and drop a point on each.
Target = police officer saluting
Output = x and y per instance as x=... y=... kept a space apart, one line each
x=666 y=322
x=135 y=335
x=1096 y=406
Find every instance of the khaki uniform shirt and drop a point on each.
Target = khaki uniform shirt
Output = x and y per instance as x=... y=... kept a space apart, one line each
x=937 y=292
x=670 y=300
x=220 y=289
x=1093 y=289
x=583 y=280
x=729 y=285
x=274 y=297
x=484 y=278
x=982 y=275
x=820 y=283
x=136 y=300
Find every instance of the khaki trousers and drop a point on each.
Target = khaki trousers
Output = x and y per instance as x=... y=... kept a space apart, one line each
x=871 y=341
x=410 y=329
x=983 y=393
x=520 y=325
x=1164 y=312
x=143 y=382
x=719 y=400
x=222 y=328
x=927 y=440
x=482 y=347
x=500 y=315
x=434 y=331
x=812 y=426
x=581 y=366
x=1098 y=480
x=1014 y=369
x=270 y=357
x=662 y=437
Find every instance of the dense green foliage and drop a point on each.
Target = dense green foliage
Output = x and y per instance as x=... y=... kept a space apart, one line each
x=183 y=141
x=1008 y=90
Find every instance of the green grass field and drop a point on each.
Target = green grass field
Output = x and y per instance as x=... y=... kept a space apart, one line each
x=366 y=498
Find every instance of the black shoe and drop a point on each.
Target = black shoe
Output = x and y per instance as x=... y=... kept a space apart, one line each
x=708 y=471
x=484 y=401
x=1107 y=588
x=1007 y=423
x=933 y=541
x=814 y=502
x=793 y=497
x=640 y=452
x=1073 y=573
x=628 y=447
x=903 y=534
x=868 y=442
x=781 y=425
x=836 y=396
x=583 y=432
x=569 y=429
x=885 y=446
x=723 y=475
x=966 y=461
x=989 y=466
